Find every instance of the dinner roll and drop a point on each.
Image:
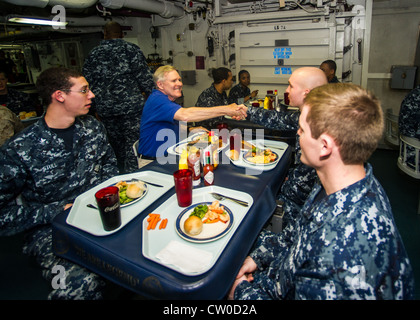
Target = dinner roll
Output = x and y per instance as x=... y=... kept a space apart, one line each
x=135 y=190
x=193 y=225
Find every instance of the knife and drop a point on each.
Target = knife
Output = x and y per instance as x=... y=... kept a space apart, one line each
x=219 y=196
x=153 y=184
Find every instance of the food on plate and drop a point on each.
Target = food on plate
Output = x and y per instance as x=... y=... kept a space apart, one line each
x=204 y=137
x=205 y=214
x=193 y=225
x=199 y=141
x=211 y=213
x=26 y=115
x=234 y=155
x=247 y=145
x=200 y=211
x=216 y=213
x=136 y=189
x=260 y=156
x=130 y=191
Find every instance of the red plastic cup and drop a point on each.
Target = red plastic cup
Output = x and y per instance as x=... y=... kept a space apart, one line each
x=183 y=187
x=108 y=200
x=223 y=131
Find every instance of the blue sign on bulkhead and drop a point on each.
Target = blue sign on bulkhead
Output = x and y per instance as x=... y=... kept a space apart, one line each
x=282 y=53
x=282 y=70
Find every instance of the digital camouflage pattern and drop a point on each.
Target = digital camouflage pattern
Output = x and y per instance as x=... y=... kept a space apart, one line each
x=18 y=101
x=118 y=75
x=39 y=171
x=342 y=246
x=122 y=139
x=77 y=283
x=409 y=121
x=301 y=178
x=210 y=97
x=237 y=92
x=409 y=117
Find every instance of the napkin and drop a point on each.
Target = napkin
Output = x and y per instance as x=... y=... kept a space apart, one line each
x=185 y=257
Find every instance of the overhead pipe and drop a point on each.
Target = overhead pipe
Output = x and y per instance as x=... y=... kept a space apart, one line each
x=163 y=8
x=92 y=21
x=73 y=4
x=29 y=3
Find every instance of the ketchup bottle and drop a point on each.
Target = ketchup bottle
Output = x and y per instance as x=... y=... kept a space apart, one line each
x=208 y=174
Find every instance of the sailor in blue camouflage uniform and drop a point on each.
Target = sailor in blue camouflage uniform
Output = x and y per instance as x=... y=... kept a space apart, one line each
x=344 y=244
x=409 y=120
x=118 y=74
x=241 y=92
x=215 y=95
x=14 y=100
x=46 y=166
x=409 y=117
x=301 y=177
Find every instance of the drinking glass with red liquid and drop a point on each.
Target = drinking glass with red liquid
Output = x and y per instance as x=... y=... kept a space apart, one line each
x=183 y=186
x=235 y=142
x=108 y=200
x=223 y=132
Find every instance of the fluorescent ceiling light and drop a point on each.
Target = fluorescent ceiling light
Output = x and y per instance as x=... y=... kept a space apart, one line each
x=38 y=21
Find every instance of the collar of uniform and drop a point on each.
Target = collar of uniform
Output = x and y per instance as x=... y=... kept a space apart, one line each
x=312 y=209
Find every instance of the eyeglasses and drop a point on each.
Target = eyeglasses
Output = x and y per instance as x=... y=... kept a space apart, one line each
x=84 y=91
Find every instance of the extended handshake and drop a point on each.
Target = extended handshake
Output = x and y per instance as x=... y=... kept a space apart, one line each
x=239 y=112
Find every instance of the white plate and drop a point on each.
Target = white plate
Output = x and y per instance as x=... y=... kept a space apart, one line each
x=153 y=241
x=131 y=202
x=261 y=164
x=136 y=199
x=276 y=146
x=30 y=119
x=89 y=220
x=177 y=148
x=211 y=231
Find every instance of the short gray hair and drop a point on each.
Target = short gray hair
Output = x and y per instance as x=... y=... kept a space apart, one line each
x=161 y=72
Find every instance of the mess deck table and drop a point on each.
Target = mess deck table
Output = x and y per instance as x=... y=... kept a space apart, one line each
x=118 y=257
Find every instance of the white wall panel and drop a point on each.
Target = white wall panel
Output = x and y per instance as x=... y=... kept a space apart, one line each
x=271 y=53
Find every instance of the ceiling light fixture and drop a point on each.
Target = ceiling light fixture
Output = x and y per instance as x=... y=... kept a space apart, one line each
x=36 y=21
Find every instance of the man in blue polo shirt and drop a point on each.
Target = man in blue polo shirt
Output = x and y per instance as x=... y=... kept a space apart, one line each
x=162 y=116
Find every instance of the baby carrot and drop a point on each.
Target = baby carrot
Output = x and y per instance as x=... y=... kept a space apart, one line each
x=151 y=219
x=211 y=221
x=155 y=221
x=163 y=224
x=151 y=216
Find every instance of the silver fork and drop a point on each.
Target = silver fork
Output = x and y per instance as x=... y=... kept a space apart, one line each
x=218 y=196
